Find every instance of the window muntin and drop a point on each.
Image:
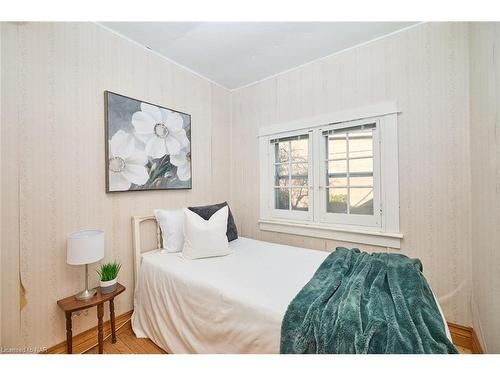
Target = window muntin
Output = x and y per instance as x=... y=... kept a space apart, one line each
x=291 y=173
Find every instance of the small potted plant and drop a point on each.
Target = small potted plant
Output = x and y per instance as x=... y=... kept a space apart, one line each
x=108 y=275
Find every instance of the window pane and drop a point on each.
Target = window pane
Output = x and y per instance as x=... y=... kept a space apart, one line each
x=281 y=151
x=300 y=199
x=299 y=182
x=299 y=169
x=361 y=201
x=282 y=181
x=360 y=145
x=281 y=169
x=281 y=174
x=361 y=165
x=337 y=166
x=361 y=181
x=337 y=181
x=281 y=198
x=336 y=201
x=337 y=148
x=300 y=150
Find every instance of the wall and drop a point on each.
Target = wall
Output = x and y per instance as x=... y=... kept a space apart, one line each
x=53 y=76
x=485 y=166
x=425 y=70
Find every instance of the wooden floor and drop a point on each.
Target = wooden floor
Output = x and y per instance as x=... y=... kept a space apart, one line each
x=463 y=350
x=127 y=343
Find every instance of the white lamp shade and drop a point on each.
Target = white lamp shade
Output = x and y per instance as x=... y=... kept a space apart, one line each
x=85 y=247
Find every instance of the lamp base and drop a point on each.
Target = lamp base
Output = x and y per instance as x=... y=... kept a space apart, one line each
x=86 y=294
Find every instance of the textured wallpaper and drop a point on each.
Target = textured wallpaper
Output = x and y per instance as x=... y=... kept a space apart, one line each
x=53 y=176
x=424 y=69
x=485 y=166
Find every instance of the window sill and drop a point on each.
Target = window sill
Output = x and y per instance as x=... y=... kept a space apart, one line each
x=356 y=235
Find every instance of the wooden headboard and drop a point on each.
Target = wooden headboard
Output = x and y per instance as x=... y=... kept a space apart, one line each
x=136 y=233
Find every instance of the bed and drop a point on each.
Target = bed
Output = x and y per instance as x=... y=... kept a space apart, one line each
x=230 y=304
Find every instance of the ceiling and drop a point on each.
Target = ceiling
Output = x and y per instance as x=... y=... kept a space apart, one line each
x=235 y=54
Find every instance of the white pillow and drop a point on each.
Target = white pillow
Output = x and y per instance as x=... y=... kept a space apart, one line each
x=205 y=238
x=172 y=229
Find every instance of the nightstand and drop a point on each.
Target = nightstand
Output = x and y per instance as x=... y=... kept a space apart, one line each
x=70 y=304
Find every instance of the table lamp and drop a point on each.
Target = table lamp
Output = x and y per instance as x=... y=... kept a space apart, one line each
x=85 y=247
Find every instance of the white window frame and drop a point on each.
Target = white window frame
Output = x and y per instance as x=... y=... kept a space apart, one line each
x=381 y=229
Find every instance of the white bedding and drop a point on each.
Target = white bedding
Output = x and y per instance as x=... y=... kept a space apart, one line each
x=230 y=304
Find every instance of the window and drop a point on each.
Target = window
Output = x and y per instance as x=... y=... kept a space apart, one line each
x=351 y=181
x=291 y=176
x=332 y=179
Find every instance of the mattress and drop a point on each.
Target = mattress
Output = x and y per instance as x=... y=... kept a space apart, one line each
x=230 y=304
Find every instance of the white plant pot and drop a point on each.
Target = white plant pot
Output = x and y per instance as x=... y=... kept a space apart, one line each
x=108 y=286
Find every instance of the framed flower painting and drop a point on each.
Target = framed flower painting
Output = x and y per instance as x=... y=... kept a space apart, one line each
x=148 y=147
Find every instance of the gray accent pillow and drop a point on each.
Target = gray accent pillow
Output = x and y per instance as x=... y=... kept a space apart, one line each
x=207 y=211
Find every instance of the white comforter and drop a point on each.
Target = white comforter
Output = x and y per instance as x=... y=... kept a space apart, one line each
x=230 y=304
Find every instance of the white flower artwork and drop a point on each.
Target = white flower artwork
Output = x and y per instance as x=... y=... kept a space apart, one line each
x=160 y=130
x=126 y=163
x=148 y=146
x=183 y=163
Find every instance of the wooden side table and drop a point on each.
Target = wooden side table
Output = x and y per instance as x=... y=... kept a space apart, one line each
x=70 y=304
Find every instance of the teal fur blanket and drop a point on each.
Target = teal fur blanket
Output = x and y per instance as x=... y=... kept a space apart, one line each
x=365 y=303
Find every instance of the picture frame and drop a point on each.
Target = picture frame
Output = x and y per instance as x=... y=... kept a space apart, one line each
x=148 y=146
